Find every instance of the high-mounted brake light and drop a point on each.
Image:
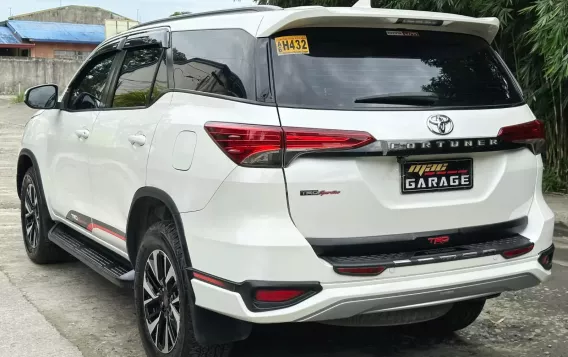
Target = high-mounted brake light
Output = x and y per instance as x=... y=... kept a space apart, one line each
x=424 y=22
x=530 y=134
x=267 y=146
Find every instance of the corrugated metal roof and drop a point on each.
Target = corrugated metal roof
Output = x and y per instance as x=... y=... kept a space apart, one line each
x=58 y=32
x=7 y=37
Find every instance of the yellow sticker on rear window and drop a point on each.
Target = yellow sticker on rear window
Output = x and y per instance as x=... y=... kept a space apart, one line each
x=292 y=45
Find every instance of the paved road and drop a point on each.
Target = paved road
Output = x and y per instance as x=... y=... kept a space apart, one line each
x=67 y=310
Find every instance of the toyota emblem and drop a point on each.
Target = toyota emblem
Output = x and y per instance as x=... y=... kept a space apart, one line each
x=440 y=124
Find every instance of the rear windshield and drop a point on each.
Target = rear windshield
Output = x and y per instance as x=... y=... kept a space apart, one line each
x=351 y=68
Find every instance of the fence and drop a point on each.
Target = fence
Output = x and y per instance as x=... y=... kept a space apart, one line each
x=19 y=73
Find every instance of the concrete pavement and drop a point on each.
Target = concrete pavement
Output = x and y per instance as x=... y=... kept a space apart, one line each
x=68 y=310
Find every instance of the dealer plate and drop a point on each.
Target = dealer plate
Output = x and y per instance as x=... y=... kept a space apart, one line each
x=435 y=176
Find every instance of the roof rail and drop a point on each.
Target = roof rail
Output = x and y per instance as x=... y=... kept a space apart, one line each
x=257 y=8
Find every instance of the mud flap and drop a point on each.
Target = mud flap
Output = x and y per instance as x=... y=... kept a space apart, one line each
x=212 y=328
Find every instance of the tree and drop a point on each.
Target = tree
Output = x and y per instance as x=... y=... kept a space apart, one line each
x=533 y=41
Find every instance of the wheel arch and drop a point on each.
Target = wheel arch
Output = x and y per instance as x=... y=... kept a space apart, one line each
x=143 y=199
x=27 y=159
x=210 y=328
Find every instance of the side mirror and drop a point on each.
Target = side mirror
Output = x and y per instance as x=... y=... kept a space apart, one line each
x=42 y=97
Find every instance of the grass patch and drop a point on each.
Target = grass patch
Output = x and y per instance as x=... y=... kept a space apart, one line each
x=553 y=181
x=18 y=98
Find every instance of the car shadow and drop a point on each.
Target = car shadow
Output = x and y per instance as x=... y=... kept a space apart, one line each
x=311 y=339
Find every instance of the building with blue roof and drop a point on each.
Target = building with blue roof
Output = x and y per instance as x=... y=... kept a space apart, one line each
x=34 y=35
x=10 y=45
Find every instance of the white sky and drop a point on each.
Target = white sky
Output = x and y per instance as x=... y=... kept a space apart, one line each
x=148 y=9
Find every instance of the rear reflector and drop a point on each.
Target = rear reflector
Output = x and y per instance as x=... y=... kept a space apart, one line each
x=266 y=146
x=513 y=253
x=546 y=257
x=531 y=134
x=209 y=279
x=361 y=270
x=277 y=295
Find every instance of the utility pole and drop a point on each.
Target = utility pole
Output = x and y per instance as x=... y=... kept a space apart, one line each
x=10 y=11
x=138 y=15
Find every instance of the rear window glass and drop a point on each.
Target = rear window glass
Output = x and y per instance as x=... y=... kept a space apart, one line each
x=379 y=68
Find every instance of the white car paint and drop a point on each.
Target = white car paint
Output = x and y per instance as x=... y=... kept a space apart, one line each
x=250 y=223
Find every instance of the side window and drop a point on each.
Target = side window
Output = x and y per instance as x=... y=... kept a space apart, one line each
x=87 y=90
x=215 y=61
x=161 y=83
x=136 y=76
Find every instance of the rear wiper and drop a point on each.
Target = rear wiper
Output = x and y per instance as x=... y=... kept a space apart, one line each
x=410 y=98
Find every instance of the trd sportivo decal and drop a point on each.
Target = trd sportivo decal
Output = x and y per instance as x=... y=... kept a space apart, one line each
x=319 y=193
x=91 y=224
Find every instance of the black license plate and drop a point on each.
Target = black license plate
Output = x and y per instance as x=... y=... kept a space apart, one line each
x=435 y=176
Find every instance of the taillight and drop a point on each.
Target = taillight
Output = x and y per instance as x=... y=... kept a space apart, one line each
x=530 y=134
x=248 y=145
x=513 y=253
x=303 y=140
x=266 y=146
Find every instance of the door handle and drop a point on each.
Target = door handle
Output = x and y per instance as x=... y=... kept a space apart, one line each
x=82 y=133
x=138 y=139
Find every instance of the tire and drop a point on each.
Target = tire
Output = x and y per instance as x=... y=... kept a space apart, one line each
x=36 y=223
x=460 y=316
x=160 y=251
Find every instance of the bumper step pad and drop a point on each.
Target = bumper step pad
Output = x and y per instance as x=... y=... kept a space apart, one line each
x=430 y=256
x=103 y=261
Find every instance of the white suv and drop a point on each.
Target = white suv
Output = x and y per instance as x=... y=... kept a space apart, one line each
x=350 y=166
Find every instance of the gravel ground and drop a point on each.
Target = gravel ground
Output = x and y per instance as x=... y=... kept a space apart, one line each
x=68 y=310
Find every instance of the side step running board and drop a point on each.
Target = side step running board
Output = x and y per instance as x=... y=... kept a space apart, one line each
x=104 y=262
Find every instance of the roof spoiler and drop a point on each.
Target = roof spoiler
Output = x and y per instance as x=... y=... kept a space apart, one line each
x=362 y=16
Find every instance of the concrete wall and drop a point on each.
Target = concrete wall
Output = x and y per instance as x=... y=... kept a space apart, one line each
x=72 y=14
x=45 y=49
x=28 y=72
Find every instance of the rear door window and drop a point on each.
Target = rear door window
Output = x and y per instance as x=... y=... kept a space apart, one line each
x=215 y=61
x=351 y=68
x=136 y=76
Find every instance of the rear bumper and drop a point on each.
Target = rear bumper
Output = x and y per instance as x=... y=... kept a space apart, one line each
x=239 y=237
x=343 y=300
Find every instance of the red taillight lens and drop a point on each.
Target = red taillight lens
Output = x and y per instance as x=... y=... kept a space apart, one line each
x=361 y=270
x=513 y=253
x=530 y=134
x=264 y=146
x=318 y=139
x=248 y=145
x=277 y=295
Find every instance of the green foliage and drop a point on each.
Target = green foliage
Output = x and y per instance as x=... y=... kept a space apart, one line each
x=533 y=41
x=19 y=98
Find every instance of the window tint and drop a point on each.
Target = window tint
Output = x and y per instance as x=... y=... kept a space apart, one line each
x=136 y=77
x=161 y=84
x=378 y=68
x=87 y=91
x=215 y=61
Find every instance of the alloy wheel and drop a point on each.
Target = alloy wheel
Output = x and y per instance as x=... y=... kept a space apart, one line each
x=31 y=217
x=161 y=301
